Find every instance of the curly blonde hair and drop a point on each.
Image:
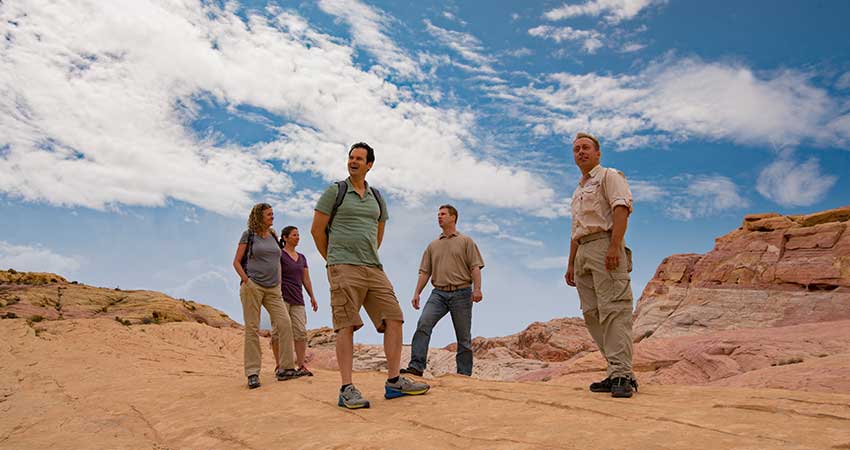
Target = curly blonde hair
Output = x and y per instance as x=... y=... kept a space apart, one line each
x=255 y=219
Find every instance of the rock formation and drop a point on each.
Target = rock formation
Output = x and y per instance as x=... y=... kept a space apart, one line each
x=772 y=271
x=45 y=296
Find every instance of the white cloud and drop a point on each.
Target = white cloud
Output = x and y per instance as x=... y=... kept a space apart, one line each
x=614 y=11
x=591 y=39
x=794 y=183
x=706 y=196
x=453 y=17
x=97 y=112
x=36 y=259
x=644 y=191
x=632 y=47
x=843 y=81
x=465 y=44
x=486 y=225
x=366 y=24
x=547 y=263
x=679 y=99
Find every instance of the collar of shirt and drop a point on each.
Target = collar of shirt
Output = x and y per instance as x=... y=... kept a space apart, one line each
x=351 y=187
x=595 y=170
x=444 y=236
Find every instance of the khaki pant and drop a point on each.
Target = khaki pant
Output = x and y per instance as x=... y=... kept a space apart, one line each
x=353 y=287
x=606 y=302
x=298 y=318
x=253 y=296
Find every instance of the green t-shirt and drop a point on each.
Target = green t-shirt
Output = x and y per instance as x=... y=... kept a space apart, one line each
x=353 y=237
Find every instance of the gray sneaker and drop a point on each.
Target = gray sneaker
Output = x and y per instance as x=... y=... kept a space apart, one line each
x=404 y=386
x=352 y=399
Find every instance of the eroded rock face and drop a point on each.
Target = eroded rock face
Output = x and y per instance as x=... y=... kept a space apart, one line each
x=773 y=271
x=45 y=296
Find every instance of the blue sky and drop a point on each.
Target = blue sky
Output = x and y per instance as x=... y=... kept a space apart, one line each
x=135 y=135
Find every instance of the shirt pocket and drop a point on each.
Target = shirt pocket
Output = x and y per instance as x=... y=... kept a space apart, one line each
x=590 y=198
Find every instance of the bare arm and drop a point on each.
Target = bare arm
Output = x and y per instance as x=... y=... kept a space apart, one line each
x=621 y=221
x=237 y=262
x=570 y=276
x=309 y=286
x=420 y=284
x=381 y=232
x=477 y=296
x=318 y=229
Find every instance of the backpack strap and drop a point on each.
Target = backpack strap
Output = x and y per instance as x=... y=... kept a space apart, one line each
x=342 y=189
x=249 y=251
x=380 y=199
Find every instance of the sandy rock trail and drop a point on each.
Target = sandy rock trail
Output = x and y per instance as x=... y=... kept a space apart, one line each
x=94 y=383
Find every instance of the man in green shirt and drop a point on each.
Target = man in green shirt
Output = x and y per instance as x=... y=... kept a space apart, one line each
x=348 y=236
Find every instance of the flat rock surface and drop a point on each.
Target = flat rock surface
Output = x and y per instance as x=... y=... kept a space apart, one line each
x=94 y=383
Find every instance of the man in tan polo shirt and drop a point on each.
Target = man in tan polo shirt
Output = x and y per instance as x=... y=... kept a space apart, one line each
x=600 y=263
x=453 y=263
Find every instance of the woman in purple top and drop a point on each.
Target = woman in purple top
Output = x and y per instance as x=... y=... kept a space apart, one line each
x=294 y=274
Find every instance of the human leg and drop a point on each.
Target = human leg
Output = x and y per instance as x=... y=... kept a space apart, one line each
x=460 y=306
x=251 y=316
x=435 y=308
x=281 y=327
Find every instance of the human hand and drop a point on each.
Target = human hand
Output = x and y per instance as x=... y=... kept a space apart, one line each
x=570 y=276
x=612 y=259
x=415 y=302
x=314 y=304
x=477 y=296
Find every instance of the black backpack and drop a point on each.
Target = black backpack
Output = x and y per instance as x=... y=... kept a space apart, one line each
x=340 y=196
x=249 y=252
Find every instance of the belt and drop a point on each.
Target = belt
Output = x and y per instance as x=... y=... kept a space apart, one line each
x=594 y=237
x=452 y=287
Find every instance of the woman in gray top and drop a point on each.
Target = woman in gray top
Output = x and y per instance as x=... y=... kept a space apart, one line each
x=257 y=262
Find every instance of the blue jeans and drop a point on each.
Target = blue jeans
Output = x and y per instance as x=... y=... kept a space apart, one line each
x=459 y=304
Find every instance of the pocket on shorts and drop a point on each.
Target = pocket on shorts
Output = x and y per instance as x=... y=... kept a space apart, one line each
x=628 y=260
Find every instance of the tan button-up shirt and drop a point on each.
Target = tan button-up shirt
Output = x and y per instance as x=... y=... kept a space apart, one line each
x=595 y=198
x=450 y=260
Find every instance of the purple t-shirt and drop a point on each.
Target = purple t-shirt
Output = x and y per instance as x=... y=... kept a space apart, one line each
x=293 y=277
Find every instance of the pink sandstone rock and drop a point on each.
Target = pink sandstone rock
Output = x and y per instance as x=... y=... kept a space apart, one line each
x=773 y=271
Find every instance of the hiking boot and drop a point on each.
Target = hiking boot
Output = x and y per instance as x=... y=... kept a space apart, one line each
x=351 y=398
x=287 y=374
x=621 y=387
x=601 y=386
x=303 y=371
x=253 y=381
x=412 y=371
x=404 y=386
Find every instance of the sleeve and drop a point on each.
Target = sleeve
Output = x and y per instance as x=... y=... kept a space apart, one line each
x=244 y=238
x=617 y=189
x=425 y=265
x=473 y=256
x=326 y=201
x=385 y=215
x=303 y=258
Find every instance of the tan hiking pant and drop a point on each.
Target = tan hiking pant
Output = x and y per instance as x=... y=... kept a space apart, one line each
x=606 y=302
x=253 y=296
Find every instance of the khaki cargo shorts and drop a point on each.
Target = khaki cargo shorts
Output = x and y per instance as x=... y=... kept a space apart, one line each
x=355 y=286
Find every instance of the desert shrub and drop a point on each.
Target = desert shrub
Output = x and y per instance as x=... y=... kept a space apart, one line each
x=147 y=320
x=124 y=322
x=785 y=362
x=12 y=271
x=35 y=319
x=9 y=315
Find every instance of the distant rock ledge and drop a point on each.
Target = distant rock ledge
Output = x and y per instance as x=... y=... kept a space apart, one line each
x=38 y=296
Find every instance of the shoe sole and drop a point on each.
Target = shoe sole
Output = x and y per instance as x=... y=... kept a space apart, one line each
x=390 y=393
x=623 y=395
x=600 y=390
x=342 y=404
